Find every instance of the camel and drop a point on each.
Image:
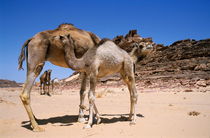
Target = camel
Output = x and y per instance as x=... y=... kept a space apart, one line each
x=45 y=79
x=54 y=82
x=104 y=59
x=42 y=47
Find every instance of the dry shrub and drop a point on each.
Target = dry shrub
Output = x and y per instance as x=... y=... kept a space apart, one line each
x=170 y=105
x=103 y=93
x=193 y=113
x=100 y=94
x=188 y=90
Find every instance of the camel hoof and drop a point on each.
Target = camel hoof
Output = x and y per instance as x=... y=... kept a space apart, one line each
x=132 y=123
x=38 y=129
x=98 y=121
x=87 y=126
x=129 y=119
x=82 y=120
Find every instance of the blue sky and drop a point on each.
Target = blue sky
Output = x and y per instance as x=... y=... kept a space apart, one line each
x=164 y=20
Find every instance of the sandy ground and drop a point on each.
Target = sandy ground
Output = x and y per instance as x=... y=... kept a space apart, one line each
x=160 y=115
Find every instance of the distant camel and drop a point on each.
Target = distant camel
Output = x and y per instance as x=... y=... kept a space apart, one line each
x=41 y=48
x=45 y=80
x=54 y=82
x=105 y=59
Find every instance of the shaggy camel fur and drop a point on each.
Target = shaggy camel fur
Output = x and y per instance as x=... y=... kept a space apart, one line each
x=105 y=59
x=41 y=48
x=45 y=80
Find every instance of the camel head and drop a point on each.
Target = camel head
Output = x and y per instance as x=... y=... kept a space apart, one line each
x=49 y=70
x=132 y=40
x=66 y=40
x=61 y=40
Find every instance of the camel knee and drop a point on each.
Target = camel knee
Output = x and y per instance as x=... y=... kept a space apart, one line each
x=82 y=93
x=134 y=98
x=38 y=68
x=24 y=98
x=128 y=79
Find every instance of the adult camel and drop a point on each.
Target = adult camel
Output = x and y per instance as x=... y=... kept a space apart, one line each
x=42 y=47
x=45 y=80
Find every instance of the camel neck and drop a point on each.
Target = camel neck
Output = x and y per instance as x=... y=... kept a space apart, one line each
x=72 y=61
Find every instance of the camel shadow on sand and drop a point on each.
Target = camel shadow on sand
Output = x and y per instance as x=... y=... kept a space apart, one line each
x=68 y=120
x=113 y=118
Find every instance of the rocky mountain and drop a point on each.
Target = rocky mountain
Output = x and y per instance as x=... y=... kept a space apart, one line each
x=185 y=62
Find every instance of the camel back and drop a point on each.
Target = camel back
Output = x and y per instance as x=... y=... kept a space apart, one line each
x=81 y=37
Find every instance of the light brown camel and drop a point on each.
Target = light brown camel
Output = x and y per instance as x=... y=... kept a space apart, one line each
x=105 y=59
x=41 y=48
x=45 y=80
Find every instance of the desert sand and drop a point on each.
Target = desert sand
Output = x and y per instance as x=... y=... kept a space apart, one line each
x=161 y=114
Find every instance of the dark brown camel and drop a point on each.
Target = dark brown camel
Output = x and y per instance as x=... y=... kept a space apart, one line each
x=40 y=48
x=45 y=80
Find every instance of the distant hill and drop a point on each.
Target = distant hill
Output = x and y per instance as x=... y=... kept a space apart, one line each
x=8 y=83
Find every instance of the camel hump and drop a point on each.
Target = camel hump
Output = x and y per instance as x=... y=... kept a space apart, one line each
x=66 y=26
x=103 y=41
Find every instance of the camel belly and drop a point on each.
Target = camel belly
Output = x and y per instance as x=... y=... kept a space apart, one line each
x=108 y=69
x=56 y=57
x=58 y=62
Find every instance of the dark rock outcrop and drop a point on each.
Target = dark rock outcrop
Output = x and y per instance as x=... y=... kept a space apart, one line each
x=184 y=60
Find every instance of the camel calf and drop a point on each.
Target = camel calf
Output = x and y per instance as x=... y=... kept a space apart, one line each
x=105 y=59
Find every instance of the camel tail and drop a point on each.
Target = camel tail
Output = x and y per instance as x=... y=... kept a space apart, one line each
x=23 y=54
x=95 y=38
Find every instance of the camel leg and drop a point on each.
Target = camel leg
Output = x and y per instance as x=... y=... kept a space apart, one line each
x=48 y=89
x=25 y=95
x=40 y=88
x=82 y=107
x=97 y=114
x=133 y=99
x=44 y=88
x=52 y=87
x=129 y=79
x=91 y=97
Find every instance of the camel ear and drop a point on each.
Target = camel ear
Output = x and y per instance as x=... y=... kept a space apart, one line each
x=68 y=36
x=61 y=37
